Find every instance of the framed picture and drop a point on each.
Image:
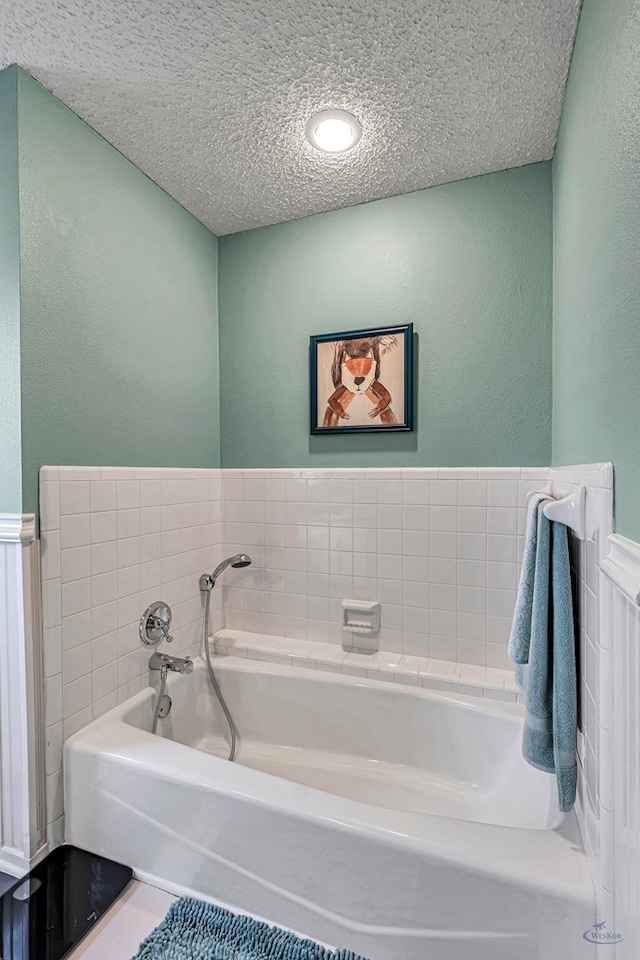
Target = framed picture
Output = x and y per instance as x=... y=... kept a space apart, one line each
x=362 y=380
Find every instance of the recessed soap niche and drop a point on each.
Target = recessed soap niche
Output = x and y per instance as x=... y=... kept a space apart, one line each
x=360 y=625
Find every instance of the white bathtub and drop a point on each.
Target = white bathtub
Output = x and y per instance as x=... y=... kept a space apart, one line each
x=400 y=823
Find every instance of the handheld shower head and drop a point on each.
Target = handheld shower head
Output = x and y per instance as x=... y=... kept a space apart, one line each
x=208 y=580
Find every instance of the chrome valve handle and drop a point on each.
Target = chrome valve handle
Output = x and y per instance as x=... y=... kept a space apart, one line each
x=155 y=623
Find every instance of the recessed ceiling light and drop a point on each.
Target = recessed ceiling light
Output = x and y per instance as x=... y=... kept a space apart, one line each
x=333 y=131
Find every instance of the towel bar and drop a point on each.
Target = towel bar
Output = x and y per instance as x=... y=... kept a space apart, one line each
x=570 y=509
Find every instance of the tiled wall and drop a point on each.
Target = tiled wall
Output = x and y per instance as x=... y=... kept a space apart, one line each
x=113 y=541
x=438 y=549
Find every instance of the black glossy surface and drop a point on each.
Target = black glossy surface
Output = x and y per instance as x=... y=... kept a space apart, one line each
x=6 y=881
x=44 y=915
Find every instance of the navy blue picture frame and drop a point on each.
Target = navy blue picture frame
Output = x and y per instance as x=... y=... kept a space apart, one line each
x=402 y=330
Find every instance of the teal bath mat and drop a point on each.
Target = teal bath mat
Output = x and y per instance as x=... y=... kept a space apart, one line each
x=193 y=930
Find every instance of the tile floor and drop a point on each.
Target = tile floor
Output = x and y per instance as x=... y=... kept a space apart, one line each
x=118 y=935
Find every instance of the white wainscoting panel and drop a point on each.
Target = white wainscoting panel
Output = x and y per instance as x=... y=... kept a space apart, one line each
x=620 y=690
x=21 y=696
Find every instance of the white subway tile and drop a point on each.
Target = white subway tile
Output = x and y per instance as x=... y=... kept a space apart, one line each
x=150 y=520
x=415 y=620
x=499 y=473
x=416 y=568
x=443 y=518
x=74 y=497
x=389 y=491
x=416 y=517
x=50 y=506
x=104 y=588
x=103 y=705
x=104 y=650
x=150 y=492
x=51 y=602
x=128 y=581
x=415 y=492
x=442 y=648
x=104 y=619
x=341 y=514
x=472 y=573
x=472 y=519
x=295 y=536
x=76 y=696
x=502 y=576
x=169 y=491
x=54 y=794
x=70 y=474
x=501 y=548
x=103 y=527
x=444 y=492
x=444 y=545
x=443 y=596
x=53 y=700
x=75 y=563
x=498 y=630
x=470 y=651
x=443 y=570
x=365 y=515
x=74 y=530
x=472 y=546
x=76 y=722
x=186 y=491
x=416 y=594
x=389 y=566
x=500 y=603
x=390 y=541
x=502 y=493
x=317 y=514
x=52 y=651
x=128 y=551
x=76 y=663
x=53 y=748
x=472 y=493
x=295 y=489
x=472 y=600
x=128 y=523
x=341 y=491
x=502 y=520
x=76 y=629
x=50 y=554
x=470 y=626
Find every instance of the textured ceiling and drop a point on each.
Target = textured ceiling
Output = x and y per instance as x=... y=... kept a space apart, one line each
x=210 y=97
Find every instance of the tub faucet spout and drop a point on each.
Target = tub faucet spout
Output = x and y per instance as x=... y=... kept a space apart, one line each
x=162 y=661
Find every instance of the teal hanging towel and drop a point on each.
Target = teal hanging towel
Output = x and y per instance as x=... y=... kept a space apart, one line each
x=543 y=645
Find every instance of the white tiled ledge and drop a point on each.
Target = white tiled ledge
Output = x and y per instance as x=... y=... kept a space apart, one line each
x=397 y=668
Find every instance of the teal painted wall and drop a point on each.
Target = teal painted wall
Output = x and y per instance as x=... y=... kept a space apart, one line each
x=596 y=178
x=119 y=306
x=10 y=441
x=469 y=263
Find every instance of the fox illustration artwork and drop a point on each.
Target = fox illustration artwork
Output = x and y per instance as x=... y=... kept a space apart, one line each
x=355 y=373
